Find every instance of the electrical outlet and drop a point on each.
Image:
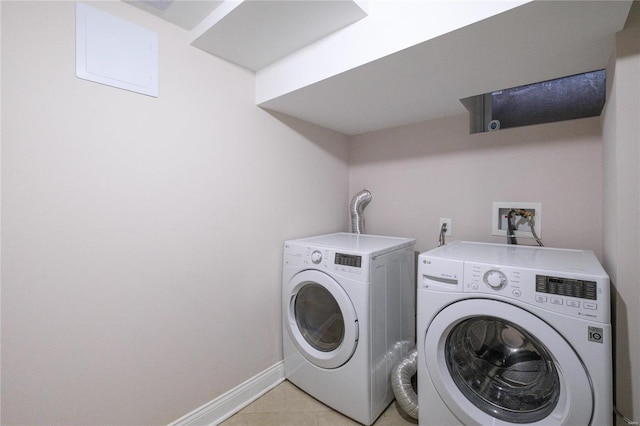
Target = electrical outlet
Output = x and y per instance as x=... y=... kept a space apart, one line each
x=522 y=229
x=446 y=221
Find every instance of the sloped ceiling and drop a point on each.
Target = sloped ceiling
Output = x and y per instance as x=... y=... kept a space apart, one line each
x=538 y=41
x=533 y=42
x=183 y=13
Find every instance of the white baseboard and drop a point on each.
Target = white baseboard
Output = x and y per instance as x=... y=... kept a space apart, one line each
x=229 y=403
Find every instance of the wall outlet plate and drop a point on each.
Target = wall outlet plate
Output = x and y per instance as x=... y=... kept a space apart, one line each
x=499 y=219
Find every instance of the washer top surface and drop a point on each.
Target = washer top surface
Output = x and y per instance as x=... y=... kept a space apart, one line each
x=359 y=243
x=545 y=258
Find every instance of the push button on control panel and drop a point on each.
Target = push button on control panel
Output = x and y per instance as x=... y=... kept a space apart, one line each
x=569 y=302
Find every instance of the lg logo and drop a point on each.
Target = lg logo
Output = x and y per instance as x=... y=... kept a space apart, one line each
x=595 y=334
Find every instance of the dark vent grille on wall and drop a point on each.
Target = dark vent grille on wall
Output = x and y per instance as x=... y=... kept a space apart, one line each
x=566 y=98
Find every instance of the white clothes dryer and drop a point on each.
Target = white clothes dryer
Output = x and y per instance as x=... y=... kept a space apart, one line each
x=348 y=316
x=511 y=334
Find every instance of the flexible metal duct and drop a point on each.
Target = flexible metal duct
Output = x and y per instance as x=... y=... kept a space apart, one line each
x=401 y=375
x=358 y=203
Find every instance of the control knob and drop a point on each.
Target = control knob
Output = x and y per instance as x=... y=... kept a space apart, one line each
x=495 y=279
x=316 y=257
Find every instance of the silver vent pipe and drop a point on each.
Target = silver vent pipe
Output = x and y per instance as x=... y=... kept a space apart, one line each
x=356 y=207
x=401 y=375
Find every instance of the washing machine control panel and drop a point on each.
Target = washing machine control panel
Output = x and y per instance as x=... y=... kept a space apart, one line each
x=577 y=295
x=572 y=295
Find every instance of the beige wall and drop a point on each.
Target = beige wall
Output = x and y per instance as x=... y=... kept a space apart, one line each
x=622 y=209
x=142 y=237
x=422 y=172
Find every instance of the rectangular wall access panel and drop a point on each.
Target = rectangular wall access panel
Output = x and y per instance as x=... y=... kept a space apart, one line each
x=115 y=52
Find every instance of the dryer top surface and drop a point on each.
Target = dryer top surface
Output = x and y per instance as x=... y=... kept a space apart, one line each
x=358 y=243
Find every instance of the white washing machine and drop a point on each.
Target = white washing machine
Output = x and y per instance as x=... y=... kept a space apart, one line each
x=348 y=316
x=511 y=334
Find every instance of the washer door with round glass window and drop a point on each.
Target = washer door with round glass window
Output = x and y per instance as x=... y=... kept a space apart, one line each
x=321 y=319
x=495 y=363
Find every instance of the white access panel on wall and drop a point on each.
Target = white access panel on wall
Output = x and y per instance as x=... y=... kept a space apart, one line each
x=112 y=51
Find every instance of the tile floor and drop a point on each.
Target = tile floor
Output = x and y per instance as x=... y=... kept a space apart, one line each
x=286 y=405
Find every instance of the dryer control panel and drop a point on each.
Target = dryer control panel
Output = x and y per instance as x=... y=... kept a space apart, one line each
x=352 y=265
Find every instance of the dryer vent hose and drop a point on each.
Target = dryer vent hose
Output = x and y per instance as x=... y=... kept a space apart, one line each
x=401 y=375
x=356 y=207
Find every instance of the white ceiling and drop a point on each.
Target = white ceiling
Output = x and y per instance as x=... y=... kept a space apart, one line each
x=184 y=13
x=254 y=34
x=537 y=41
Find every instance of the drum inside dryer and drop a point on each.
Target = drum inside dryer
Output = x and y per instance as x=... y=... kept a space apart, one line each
x=319 y=317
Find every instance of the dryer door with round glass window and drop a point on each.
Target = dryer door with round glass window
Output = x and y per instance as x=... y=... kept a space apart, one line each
x=495 y=363
x=321 y=319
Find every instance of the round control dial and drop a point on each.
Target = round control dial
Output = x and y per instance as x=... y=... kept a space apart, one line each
x=316 y=257
x=495 y=279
